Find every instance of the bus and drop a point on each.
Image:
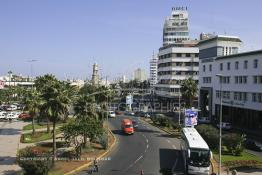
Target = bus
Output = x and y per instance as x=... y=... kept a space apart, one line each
x=195 y=152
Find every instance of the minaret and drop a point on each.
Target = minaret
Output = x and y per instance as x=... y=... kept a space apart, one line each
x=95 y=77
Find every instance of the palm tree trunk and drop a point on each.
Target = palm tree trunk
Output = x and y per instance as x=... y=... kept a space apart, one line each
x=48 y=125
x=85 y=141
x=54 y=143
x=33 y=124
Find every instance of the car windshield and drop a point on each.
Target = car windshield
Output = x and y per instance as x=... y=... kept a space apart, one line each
x=199 y=157
x=128 y=126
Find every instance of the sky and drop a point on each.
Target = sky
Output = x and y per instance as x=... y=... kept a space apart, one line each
x=67 y=36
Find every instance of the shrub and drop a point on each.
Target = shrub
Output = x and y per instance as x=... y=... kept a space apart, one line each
x=104 y=141
x=241 y=163
x=34 y=162
x=234 y=143
x=210 y=134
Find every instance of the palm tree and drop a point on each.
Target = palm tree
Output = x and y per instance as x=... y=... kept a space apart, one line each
x=189 y=91
x=85 y=109
x=56 y=103
x=33 y=102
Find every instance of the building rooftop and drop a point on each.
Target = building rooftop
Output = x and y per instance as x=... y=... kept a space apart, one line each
x=186 y=43
x=254 y=52
x=221 y=38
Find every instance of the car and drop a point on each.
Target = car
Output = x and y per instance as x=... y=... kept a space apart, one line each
x=253 y=145
x=127 y=126
x=119 y=112
x=225 y=125
x=11 y=108
x=3 y=115
x=129 y=113
x=203 y=120
x=112 y=114
x=135 y=124
x=24 y=116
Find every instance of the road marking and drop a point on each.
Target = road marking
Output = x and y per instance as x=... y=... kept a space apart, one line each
x=147 y=146
x=138 y=159
x=146 y=140
x=168 y=141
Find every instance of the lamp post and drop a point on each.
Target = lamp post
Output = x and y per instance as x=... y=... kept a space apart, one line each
x=9 y=73
x=220 y=122
x=179 y=106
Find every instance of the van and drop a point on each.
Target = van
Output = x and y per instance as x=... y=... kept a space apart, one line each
x=127 y=126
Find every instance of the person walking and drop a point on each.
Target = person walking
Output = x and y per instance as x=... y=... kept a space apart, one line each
x=95 y=165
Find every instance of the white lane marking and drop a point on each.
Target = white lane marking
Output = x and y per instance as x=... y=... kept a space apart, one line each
x=146 y=140
x=174 y=146
x=168 y=141
x=147 y=146
x=138 y=159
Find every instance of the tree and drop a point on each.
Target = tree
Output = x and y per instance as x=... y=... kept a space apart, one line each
x=33 y=102
x=85 y=109
x=56 y=102
x=189 y=91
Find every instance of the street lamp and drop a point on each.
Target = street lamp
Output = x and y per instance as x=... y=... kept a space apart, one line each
x=9 y=73
x=220 y=122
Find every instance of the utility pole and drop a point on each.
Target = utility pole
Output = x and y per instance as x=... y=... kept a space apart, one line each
x=9 y=97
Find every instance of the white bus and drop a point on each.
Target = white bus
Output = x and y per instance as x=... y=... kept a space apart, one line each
x=195 y=151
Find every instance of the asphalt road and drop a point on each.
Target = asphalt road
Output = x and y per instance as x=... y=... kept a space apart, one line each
x=149 y=150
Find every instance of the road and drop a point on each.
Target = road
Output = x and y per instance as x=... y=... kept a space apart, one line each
x=9 y=139
x=149 y=149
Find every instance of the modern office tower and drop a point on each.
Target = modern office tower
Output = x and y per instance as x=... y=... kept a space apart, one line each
x=153 y=70
x=176 y=26
x=140 y=75
x=177 y=58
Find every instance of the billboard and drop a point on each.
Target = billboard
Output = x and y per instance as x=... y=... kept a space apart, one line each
x=190 y=117
x=129 y=99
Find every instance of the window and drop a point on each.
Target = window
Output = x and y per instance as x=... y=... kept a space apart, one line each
x=204 y=68
x=210 y=67
x=254 y=97
x=236 y=65
x=255 y=63
x=245 y=64
x=235 y=95
x=244 y=79
x=236 y=79
x=244 y=96
x=178 y=54
x=218 y=94
x=187 y=54
x=228 y=66
x=221 y=66
x=240 y=79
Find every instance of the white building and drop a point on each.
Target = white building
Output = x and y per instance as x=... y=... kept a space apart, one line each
x=153 y=71
x=176 y=26
x=240 y=81
x=178 y=58
x=140 y=75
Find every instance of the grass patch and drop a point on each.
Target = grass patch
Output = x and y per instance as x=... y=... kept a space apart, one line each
x=39 y=126
x=245 y=160
x=39 y=136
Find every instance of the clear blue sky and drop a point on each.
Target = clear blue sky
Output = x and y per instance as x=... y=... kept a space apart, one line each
x=67 y=37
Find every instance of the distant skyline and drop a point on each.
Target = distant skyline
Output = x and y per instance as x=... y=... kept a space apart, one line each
x=68 y=37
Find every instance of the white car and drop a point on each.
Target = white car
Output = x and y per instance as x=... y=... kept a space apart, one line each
x=112 y=114
x=3 y=115
x=225 y=125
x=11 y=108
x=12 y=115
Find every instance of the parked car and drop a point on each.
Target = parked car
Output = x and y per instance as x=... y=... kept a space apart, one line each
x=253 y=145
x=203 y=120
x=3 y=115
x=135 y=124
x=112 y=114
x=129 y=113
x=24 y=116
x=11 y=116
x=11 y=108
x=225 y=125
x=119 y=112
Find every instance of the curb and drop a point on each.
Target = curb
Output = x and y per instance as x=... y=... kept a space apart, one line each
x=158 y=127
x=99 y=157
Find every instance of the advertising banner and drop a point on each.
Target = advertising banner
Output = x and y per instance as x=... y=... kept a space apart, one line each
x=190 y=117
